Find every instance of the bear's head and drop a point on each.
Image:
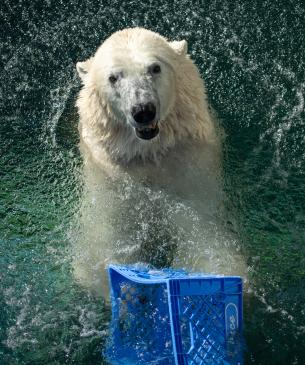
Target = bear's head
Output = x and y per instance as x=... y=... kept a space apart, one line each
x=134 y=75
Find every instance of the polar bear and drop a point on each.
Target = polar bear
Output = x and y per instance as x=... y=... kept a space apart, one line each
x=152 y=171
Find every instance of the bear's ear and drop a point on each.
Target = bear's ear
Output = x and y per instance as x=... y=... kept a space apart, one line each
x=179 y=47
x=83 y=69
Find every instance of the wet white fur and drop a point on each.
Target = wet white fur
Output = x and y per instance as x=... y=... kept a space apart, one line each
x=127 y=179
x=184 y=111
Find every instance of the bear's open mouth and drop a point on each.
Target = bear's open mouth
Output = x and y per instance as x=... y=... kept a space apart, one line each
x=148 y=132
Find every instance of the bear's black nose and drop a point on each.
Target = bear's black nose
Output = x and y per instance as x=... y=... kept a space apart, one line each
x=144 y=113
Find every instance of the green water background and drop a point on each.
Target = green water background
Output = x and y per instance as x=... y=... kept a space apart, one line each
x=251 y=55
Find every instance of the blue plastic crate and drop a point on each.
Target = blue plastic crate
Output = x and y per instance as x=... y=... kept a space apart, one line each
x=170 y=317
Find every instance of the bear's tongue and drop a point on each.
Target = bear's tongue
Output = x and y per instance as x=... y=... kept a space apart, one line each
x=148 y=132
x=148 y=127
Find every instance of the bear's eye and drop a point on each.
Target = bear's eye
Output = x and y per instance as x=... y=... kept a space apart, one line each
x=113 y=79
x=156 y=69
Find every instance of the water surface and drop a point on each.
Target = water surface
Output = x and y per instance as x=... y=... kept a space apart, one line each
x=252 y=57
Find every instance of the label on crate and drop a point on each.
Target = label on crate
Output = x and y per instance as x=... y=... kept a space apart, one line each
x=232 y=330
x=231 y=317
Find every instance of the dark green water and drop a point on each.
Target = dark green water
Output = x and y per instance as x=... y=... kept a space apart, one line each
x=252 y=57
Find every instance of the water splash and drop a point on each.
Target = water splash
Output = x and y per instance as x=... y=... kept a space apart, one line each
x=251 y=56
